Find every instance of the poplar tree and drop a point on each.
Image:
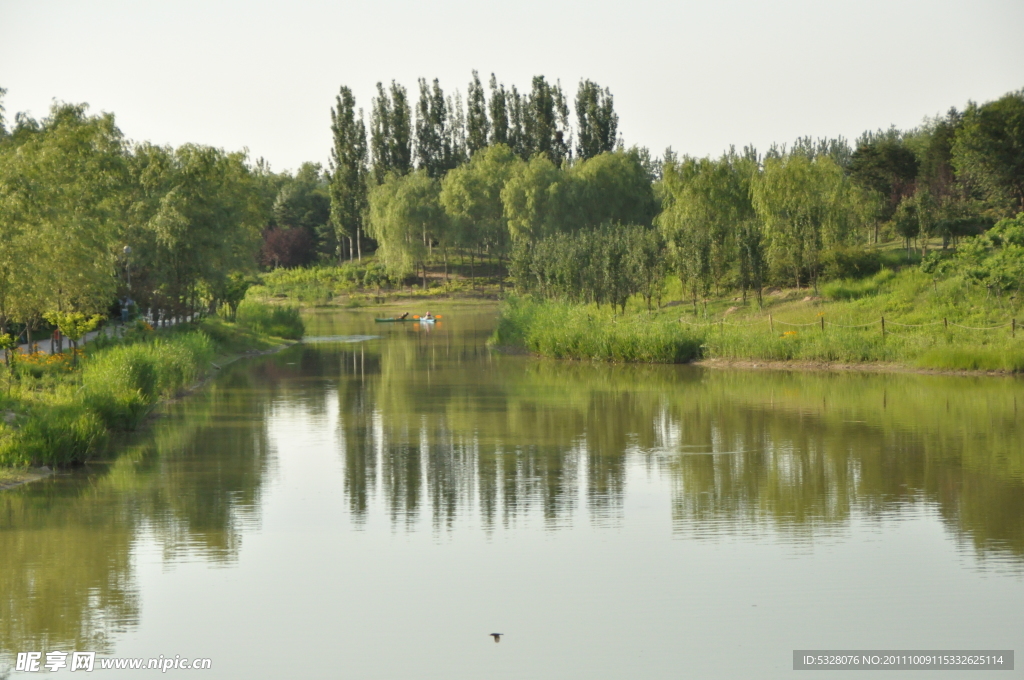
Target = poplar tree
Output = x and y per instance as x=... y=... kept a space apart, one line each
x=390 y=132
x=597 y=123
x=433 y=142
x=400 y=142
x=348 y=171
x=380 y=135
x=499 y=112
x=478 y=128
x=546 y=121
x=458 y=153
x=516 y=132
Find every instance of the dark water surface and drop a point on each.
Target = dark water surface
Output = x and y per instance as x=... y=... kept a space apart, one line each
x=376 y=501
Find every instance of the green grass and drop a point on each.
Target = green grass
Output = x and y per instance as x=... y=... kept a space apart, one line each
x=565 y=331
x=64 y=415
x=923 y=318
x=277 y=321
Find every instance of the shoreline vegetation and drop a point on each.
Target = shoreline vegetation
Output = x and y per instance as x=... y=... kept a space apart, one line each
x=905 y=320
x=62 y=410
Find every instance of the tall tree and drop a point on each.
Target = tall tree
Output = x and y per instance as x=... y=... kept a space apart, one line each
x=989 y=150
x=390 y=132
x=348 y=171
x=499 y=112
x=471 y=196
x=597 y=123
x=406 y=218
x=433 y=138
x=546 y=124
x=517 y=138
x=400 y=142
x=456 y=132
x=478 y=128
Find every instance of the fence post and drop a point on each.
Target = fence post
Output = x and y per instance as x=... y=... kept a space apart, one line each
x=822 y=324
x=945 y=323
x=883 y=326
x=771 y=324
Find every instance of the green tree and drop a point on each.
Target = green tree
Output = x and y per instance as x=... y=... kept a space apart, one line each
x=433 y=136
x=478 y=127
x=597 y=123
x=806 y=206
x=406 y=218
x=471 y=196
x=534 y=199
x=989 y=149
x=499 y=113
x=610 y=188
x=546 y=123
x=348 y=172
x=390 y=132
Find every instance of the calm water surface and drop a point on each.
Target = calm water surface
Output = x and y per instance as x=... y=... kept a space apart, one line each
x=374 y=502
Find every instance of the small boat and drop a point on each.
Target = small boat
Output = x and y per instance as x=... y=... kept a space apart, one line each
x=403 y=319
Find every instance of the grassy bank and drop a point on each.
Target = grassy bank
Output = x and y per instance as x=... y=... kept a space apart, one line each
x=366 y=283
x=564 y=331
x=947 y=325
x=62 y=410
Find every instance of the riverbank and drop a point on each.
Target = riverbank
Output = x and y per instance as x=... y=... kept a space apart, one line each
x=894 y=321
x=62 y=410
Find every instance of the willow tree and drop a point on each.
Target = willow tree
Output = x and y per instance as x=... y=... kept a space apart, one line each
x=406 y=219
x=471 y=196
x=534 y=199
x=806 y=206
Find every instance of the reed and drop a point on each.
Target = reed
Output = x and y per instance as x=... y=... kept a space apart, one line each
x=273 y=320
x=565 y=331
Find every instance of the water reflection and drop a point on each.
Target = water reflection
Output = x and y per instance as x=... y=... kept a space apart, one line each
x=191 y=483
x=442 y=428
x=432 y=428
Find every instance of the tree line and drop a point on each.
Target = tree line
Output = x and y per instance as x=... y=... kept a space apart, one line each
x=788 y=216
x=89 y=220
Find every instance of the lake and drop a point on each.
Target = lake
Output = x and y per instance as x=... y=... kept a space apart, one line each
x=376 y=501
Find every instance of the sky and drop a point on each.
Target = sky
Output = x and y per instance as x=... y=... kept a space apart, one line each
x=697 y=76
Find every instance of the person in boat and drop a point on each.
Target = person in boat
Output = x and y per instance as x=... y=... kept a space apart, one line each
x=427 y=317
x=402 y=318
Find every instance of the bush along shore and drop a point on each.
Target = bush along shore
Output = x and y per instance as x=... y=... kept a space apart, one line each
x=61 y=410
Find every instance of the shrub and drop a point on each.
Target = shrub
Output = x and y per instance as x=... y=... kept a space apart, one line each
x=281 y=322
x=851 y=289
x=54 y=434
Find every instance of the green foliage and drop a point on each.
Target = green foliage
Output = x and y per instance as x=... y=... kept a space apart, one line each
x=273 y=320
x=989 y=149
x=993 y=260
x=597 y=123
x=851 y=289
x=348 y=168
x=55 y=434
x=406 y=218
x=604 y=266
x=564 y=331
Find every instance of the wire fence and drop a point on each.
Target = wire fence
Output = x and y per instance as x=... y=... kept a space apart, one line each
x=883 y=324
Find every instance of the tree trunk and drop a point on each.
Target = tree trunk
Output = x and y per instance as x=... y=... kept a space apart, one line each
x=359 y=243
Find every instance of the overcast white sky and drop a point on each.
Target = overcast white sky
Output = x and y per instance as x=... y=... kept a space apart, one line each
x=695 y=75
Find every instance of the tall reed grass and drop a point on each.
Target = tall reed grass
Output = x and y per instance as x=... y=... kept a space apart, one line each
x=274 y=320
x=565 y=331
x=115 y=389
